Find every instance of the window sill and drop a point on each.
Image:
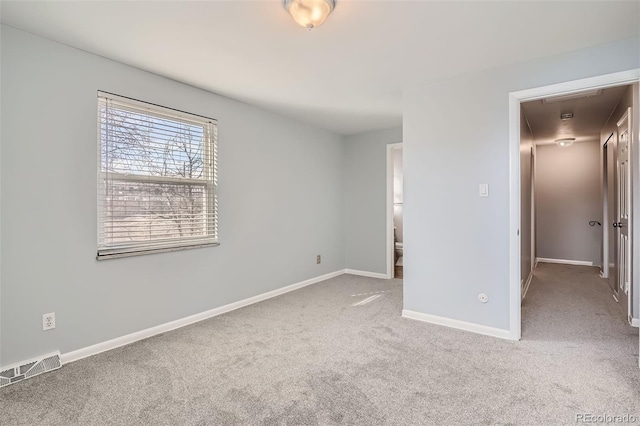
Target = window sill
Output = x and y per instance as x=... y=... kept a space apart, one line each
x=116 y=255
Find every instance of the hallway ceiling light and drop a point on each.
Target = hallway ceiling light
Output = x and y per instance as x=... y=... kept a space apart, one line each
x=566 y=116
x=565 y=142
x=309 y=13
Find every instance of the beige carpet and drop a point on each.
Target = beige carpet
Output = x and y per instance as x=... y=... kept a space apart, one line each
x=317 y=356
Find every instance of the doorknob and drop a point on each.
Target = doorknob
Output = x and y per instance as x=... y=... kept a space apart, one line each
x=617 y=224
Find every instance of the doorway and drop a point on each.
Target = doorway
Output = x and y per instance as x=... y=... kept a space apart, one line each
x=395 y=207
x=516 y=99
x=582 y=142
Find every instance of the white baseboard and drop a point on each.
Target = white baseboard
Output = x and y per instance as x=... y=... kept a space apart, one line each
x=565 y=261
x=526 y=285
x=172 y=325
x=460 y=325
x=635 y=322
x=366 y=273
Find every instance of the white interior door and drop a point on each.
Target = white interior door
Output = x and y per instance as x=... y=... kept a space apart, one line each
x=623 y=197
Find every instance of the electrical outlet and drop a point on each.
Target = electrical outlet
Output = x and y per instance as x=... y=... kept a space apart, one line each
x=48 y=321
x=318 y=259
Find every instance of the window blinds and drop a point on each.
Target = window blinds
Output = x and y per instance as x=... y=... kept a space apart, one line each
x=157 y=178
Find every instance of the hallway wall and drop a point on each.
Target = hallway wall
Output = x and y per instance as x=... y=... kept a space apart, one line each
x=526 y=146
x=567 y=198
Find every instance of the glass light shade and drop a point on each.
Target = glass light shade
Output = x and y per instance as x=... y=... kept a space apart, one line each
x=309 y=13
x=565 y=142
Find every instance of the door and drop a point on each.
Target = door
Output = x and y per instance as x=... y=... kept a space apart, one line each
x=611 y=262
x=623 y=197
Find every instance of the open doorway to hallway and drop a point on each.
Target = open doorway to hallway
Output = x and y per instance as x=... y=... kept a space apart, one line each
x=576 y=206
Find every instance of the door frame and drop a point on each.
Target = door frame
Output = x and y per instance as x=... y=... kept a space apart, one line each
x=515 y=99
x=390 y=242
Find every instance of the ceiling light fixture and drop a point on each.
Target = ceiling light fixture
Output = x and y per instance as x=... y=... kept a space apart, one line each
x=566 y=116
x=565 y=142
x=309 y=13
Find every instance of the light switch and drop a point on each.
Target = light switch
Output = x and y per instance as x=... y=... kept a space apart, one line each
x=484 y=189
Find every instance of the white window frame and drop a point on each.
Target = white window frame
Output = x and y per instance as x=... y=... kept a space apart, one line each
x=210 y=184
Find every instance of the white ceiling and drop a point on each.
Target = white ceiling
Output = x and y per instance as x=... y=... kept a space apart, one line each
x=590 y=114
x=347 y=75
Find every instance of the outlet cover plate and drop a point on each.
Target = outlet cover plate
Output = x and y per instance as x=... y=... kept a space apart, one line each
x=48 y=321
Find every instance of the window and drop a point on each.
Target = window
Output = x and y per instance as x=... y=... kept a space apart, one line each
x=157 y=185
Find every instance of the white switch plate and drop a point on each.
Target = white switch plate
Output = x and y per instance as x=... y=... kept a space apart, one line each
x=483 y=188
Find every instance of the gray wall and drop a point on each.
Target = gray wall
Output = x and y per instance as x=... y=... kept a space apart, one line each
x=365 y=198
x=567 y=198
x=281 y=203
x=630 y=99
x=456 y=135
x=526 y=145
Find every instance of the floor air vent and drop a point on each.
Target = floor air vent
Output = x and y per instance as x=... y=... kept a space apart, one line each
x=29 y=369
